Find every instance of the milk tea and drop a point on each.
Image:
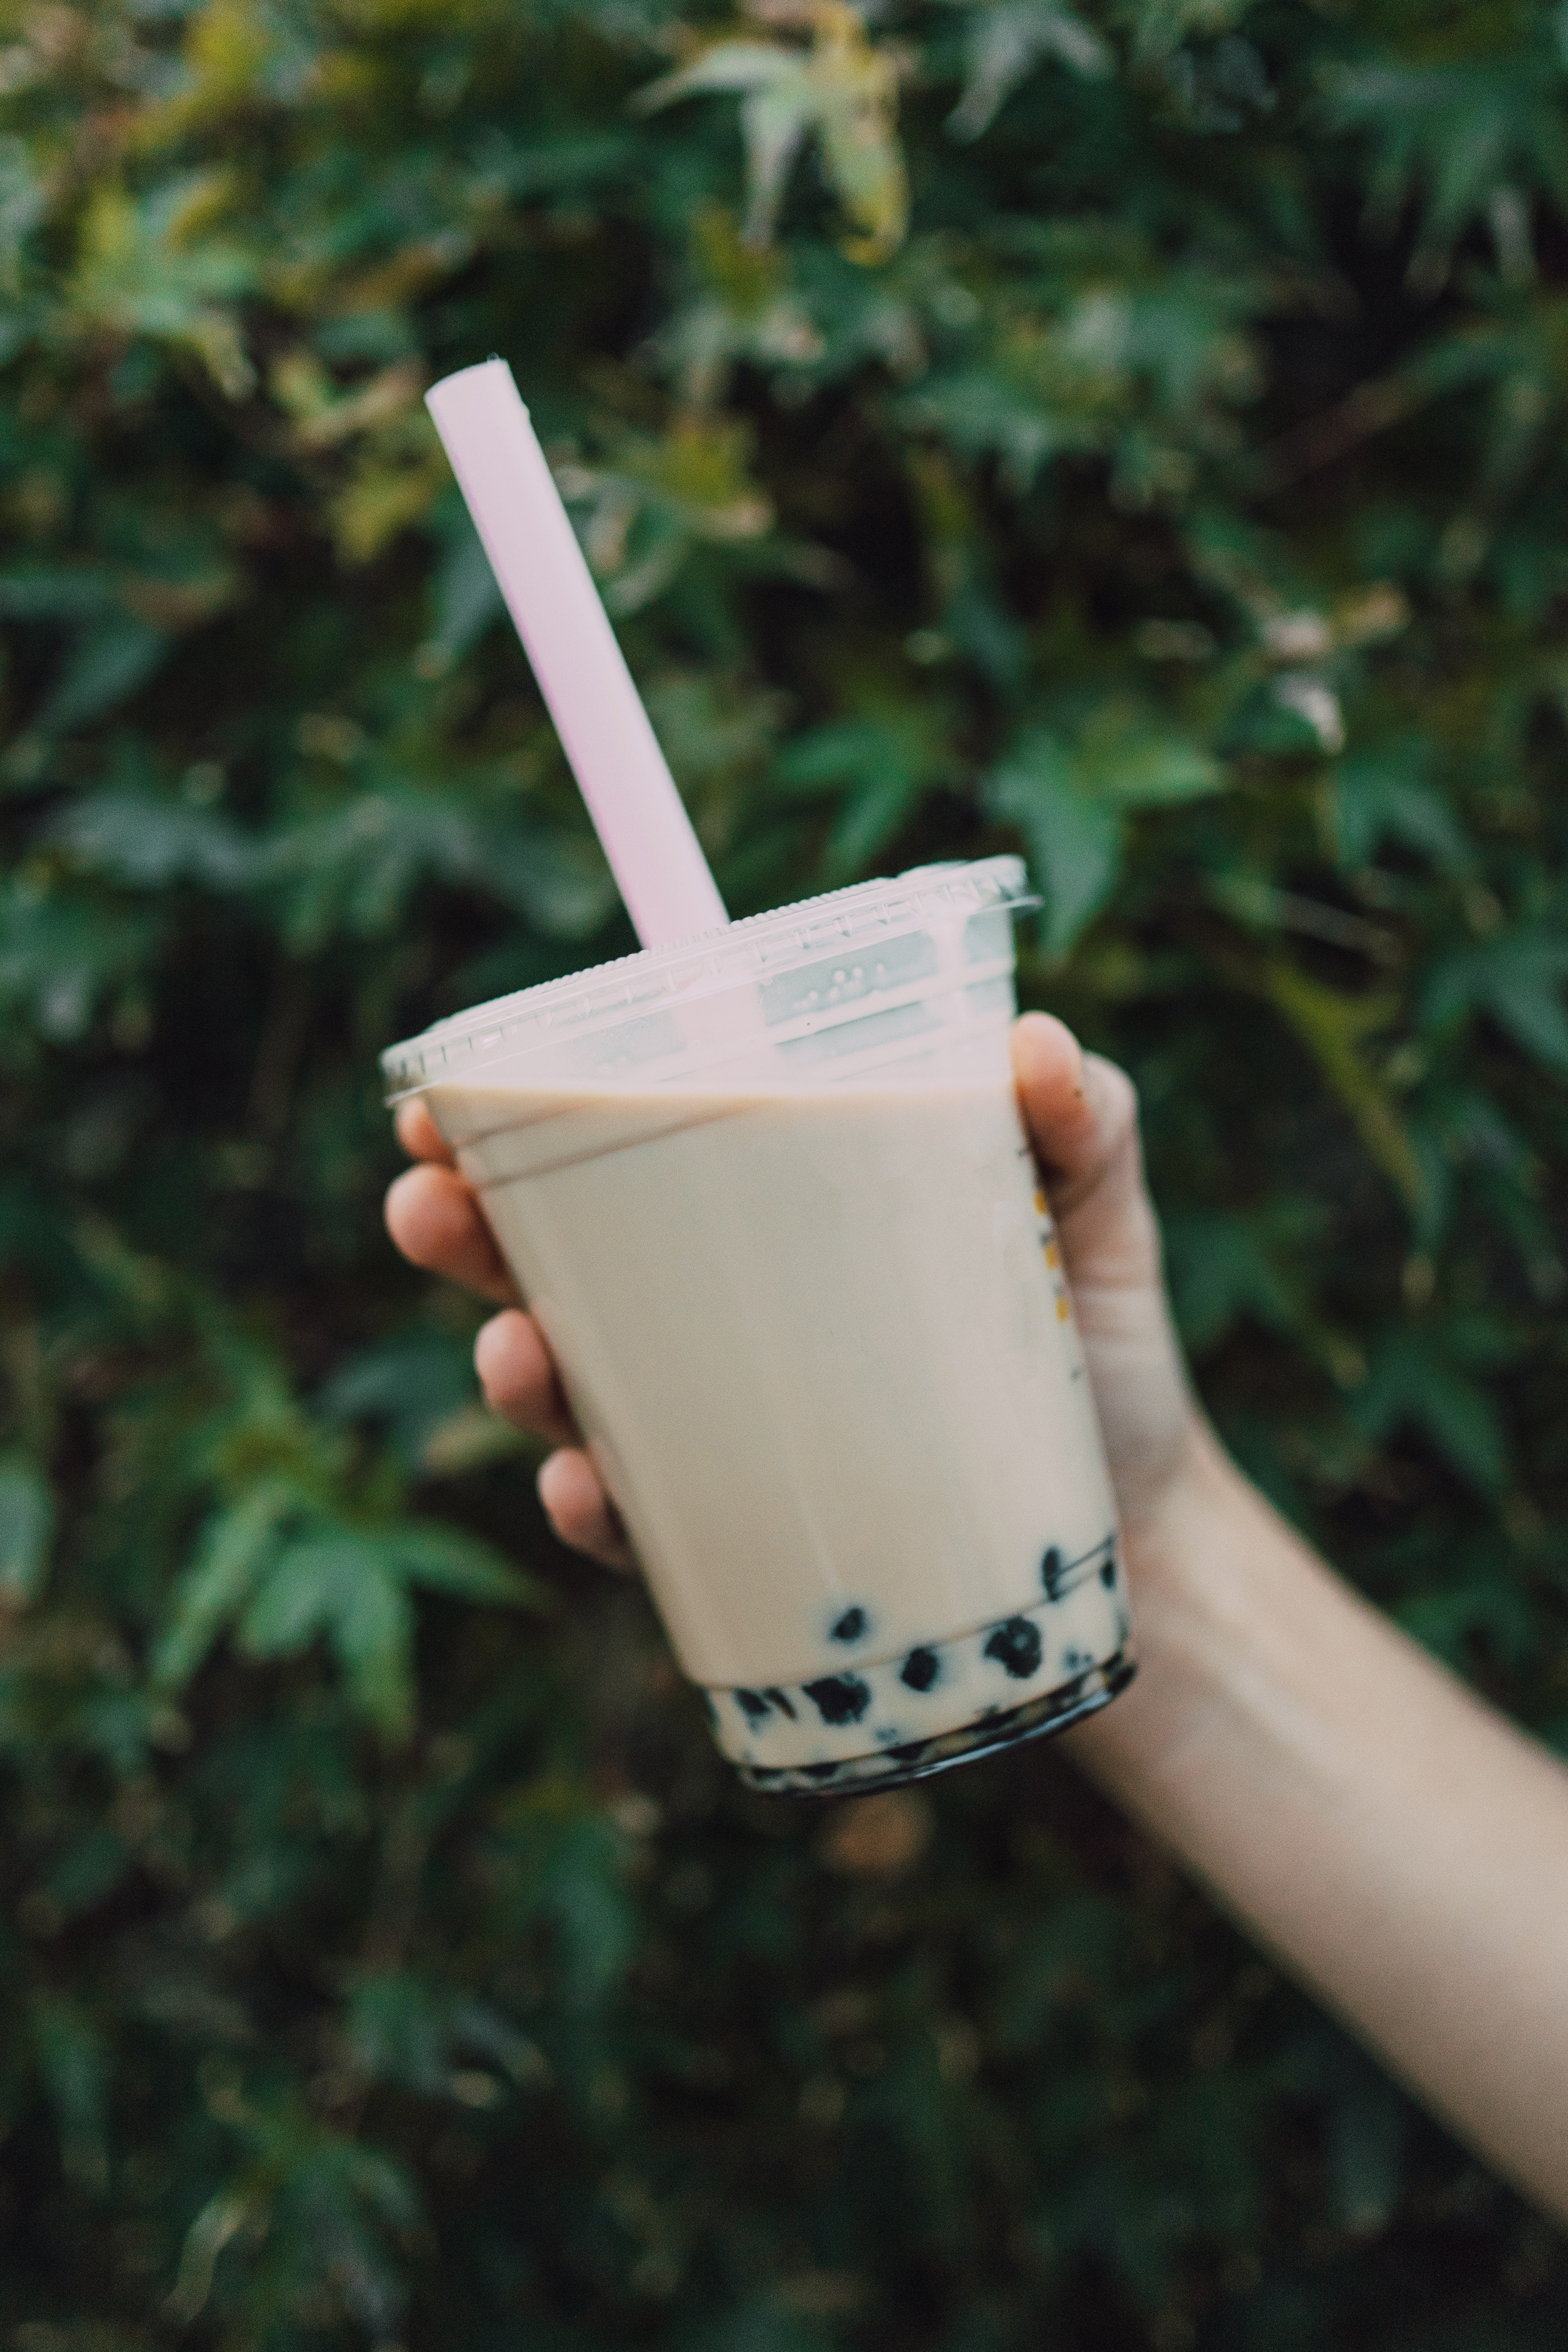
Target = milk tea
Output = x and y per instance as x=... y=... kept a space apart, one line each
x=822 y=1350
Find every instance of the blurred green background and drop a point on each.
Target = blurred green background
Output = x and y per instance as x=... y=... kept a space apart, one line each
x=1135 y=435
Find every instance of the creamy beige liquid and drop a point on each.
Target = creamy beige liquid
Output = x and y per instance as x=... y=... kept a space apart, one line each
x=821 y=1348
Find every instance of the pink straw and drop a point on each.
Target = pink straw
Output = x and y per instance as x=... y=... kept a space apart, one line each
x=638 y=814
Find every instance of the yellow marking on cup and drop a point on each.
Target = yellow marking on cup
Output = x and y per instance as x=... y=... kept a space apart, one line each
x=1064 y=1311
x=1039 y=1203
x=1053 y=1254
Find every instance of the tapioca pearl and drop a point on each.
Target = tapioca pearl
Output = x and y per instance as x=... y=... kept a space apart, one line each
x=754 y=1706
x=887 y=1734
x=1053 y=1567
x=1017 y=1647
x=853 y=1625
x=1075 y=1662
x=1107 y=1574
x=920 y=1670
x=839 y=1698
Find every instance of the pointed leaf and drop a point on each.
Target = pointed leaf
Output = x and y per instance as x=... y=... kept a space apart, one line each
x=870 y=819
x=236 y=1545
x=1386 y=796
x=26 y=1528
x=1412 y=1383
x=70 y=2055
x=1119 y=758
x=349 y=1589
x=466 y=596
x=1007 y=38
x=1334 y=1028
x=774 y=123
x=222 y=2218
x=1075 y=842
x=105 y=668
x=727 y=66
x=1519 y=981
x=444 y=1559
x=1221 y=1269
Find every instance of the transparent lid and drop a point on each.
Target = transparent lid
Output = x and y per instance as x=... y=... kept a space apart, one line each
x=763 y=953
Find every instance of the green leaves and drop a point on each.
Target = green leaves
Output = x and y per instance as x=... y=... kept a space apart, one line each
x=1455 y=130
x=1340 y=1030
x=997 y=424
x=1223 y=1268
x=1386 y=797
x=290 y=1580
x=326 y=2208
x=156 y=265
x=26 y=1528
x=1519 y=981
x=62 y=954
x=107 y=665
x=69 y=2051
x=24 y=201
x=1007 y=39
x=1074 y=841
x=1070 y=799
x=352 y=1591
x=877 y=768
x=428 y=2037
x=1428 y=1381
x=235 y=1547
x=842 y=91
x=1089 y=346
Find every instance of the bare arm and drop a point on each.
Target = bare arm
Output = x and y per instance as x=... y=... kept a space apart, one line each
x=1400 y=1847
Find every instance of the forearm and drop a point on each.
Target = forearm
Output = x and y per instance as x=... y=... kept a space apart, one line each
x=1401 y=1848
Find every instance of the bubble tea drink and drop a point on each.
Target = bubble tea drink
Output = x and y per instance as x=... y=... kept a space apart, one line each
x=768 y=1195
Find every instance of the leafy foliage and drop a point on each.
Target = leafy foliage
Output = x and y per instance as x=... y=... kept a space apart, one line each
x=1132 y=432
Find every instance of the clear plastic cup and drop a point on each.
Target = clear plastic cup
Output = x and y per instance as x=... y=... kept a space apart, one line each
x=768 y=1195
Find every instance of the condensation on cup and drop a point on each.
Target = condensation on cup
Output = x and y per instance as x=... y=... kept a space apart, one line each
x=768 y=1195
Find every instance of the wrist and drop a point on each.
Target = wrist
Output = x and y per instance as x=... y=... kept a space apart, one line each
x=1192 y=1557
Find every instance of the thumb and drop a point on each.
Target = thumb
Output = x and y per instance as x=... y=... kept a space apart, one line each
x=1081 y=1116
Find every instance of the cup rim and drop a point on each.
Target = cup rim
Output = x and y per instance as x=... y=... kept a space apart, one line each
x=756 y=947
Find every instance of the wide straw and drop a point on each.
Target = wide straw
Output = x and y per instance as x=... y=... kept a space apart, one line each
x=638 y=814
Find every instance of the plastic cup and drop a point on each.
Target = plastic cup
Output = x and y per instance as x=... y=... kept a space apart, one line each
x=768 y=1195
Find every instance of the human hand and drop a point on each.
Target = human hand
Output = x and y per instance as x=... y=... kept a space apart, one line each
x=436 y=1221
x=1081 y=1116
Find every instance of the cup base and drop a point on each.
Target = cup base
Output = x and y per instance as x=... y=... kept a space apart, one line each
x=891 y=1767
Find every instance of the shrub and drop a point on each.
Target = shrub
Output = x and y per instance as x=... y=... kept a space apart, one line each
x=1134 y=435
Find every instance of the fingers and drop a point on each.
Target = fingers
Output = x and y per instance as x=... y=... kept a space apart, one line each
x=521 y=1383
x=1081 y=1113
x=580 y=1511
x=519 y=1377
x=418 y=1133
x=1076 y=1107
x=435 y=1221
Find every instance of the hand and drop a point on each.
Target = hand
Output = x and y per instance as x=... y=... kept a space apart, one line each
x=1082 y=1114
x=1082 y=1118
x=435 y=1222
